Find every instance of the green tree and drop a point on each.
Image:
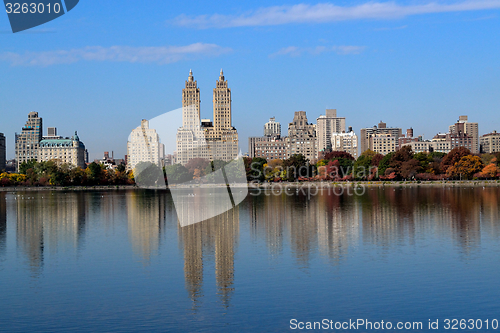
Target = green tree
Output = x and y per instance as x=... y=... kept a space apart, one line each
x=24 y=166
x=177 y=174
x=384 y=164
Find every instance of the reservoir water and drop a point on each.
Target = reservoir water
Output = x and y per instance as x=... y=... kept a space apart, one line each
x=118 y=261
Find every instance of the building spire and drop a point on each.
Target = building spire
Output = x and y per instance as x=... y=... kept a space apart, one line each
x=190 y=79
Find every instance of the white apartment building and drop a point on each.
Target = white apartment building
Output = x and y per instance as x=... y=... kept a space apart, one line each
x=144 y=146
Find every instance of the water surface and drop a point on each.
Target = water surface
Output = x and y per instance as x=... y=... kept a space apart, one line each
x=117 y=261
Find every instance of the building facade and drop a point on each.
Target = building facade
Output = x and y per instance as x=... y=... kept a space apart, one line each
x=471 y=129
x=302 y=137
x=272 y=128
x=490 y=143
x=326 y=125
x=144 y=146
x=27 y=142
x=347 y=142
x=272 y=149
x=252 y=143
x=3 y=152
x=383 y=143
x=367 y=133
x=69 y=151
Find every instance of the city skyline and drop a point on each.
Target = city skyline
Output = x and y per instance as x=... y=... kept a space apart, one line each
x=88 y=72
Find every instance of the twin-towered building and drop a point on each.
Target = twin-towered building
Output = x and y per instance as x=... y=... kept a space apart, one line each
x=202 y=138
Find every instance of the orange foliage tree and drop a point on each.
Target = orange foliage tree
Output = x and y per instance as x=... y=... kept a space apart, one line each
x=489 y=171
x=466 y=167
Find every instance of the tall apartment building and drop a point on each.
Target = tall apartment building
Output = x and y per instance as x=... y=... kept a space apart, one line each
x=490 y=143
x=217 y=140
x=272 y=128
x=367 y=133
x=302 y=137
x=144 y=146
x=3 y=152
x=222 y=138
x=326 y=125
x=27 y=142
x=383 y=143
x=347 y=142
x=190 y=137
x=62 y=150
x=472 y=129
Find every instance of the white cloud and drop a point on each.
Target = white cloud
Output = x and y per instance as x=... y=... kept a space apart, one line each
x=295 y=51
x=154 y=54
x=328 y=12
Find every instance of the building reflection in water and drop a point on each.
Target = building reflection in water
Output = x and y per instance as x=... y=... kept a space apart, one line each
x=326 y=222
x=3 y=223
x=392 y=215
x=146 y=219
x=214 y=238
x=48 y=222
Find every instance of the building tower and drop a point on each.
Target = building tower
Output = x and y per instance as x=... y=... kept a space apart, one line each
x=144 y=146
x=272 y=128
x=27 y=143
x=191 y=104
x=302 y=137
x=222 y=105
x=327 y=125
x=471 y=129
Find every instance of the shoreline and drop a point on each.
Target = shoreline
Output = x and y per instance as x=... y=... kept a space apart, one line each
x=436 y=183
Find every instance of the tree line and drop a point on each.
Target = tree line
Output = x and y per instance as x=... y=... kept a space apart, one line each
x=403 y=164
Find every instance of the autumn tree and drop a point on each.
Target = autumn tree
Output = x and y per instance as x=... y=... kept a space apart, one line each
x=489 y=171
x=453 y=157
x=466 y=167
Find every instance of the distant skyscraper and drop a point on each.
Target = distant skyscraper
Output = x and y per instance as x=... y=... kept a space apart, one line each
x=63 y=151
x=144 y=146
x=3 y=155
x=302 y=137
x=471 y=129
x=27 y=143
x=191 y=104
x=367 y=133
x=272 y=128
x=327 y=125
x=190 y=138
x=222 y=138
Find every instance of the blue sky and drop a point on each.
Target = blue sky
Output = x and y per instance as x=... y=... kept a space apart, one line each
x=106 y=65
